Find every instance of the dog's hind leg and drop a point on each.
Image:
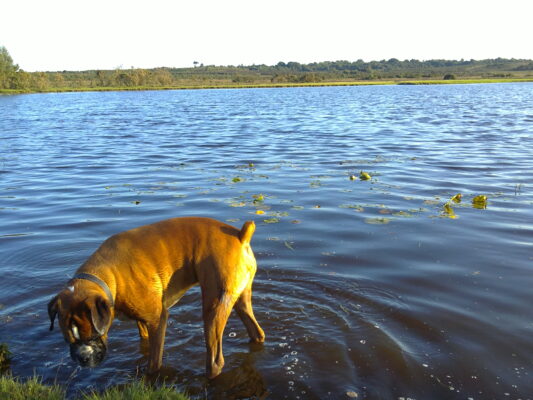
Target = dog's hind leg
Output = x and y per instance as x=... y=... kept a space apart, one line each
x=216 y=311
x=244 y=310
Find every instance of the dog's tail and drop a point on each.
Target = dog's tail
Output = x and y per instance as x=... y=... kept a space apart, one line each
x=247 y=230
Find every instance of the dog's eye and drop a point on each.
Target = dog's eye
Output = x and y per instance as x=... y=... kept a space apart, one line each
x=75 y=332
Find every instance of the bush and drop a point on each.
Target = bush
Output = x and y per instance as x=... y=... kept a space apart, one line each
x=449 y=77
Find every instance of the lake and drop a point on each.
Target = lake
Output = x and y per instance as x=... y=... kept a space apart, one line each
x=380 y=289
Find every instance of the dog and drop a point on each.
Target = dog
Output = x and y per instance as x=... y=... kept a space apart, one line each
x=143 y=272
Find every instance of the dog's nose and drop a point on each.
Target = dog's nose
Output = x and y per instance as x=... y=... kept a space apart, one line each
x=84 y=359
x=84 y=353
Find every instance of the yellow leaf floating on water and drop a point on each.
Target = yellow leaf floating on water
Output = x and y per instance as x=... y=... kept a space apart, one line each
x=480 y=202
x=448 y=211
x=259 y=212
x=457 y=198
x=364 y=176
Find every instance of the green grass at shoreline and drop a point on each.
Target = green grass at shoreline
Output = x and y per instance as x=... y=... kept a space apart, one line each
x=264 y=85
x=15 y=389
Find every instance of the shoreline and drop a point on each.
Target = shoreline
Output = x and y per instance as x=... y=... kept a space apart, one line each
x=267 y=85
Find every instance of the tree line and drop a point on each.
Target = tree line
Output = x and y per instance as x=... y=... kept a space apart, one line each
x=12 y=77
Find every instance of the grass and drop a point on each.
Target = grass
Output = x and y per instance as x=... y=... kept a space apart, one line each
x=13 y=389
x=137 y=390
x=33 y=389
x=463 y=81
x=265 y=85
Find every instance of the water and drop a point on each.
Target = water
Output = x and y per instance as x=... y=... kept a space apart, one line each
x=365 y=288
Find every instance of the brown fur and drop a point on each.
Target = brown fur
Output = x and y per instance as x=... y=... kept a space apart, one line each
x=148 y=269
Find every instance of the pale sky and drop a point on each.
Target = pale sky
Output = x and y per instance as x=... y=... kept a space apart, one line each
x=51 y=35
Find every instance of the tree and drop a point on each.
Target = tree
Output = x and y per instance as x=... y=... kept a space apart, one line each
x=100 y=78
x=7 y=69
x=6 y=62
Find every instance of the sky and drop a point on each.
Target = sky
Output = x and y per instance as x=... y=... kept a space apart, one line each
x=57 y=35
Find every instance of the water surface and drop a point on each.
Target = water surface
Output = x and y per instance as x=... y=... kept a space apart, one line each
x=368 y=288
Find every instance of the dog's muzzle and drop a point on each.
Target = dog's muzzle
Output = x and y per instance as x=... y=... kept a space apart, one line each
x=88 y=354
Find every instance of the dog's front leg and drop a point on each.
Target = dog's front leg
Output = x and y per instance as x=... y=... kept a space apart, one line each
x=156 y=338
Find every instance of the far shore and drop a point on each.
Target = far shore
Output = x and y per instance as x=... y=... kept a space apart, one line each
x=266 y=85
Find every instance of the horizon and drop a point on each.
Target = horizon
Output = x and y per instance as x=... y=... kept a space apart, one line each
x=55 y=36
x=121 y=67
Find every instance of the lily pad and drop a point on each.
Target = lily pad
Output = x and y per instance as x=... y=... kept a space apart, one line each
x=431 y=202
x=355 y=207
x=279 y=213
x=272 y=220
x=377 y=221
x=404 y=214
x=258 y=198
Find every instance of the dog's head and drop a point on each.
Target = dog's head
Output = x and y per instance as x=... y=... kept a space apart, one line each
x=84 y=318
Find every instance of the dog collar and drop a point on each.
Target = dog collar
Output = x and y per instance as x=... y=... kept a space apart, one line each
x=99 y=282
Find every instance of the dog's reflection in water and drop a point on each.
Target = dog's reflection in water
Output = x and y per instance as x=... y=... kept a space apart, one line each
x=242 y=382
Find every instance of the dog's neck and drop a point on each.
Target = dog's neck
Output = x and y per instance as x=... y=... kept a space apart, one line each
x=99 y=282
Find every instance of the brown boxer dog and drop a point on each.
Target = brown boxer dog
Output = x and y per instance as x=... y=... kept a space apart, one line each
x=143 y=272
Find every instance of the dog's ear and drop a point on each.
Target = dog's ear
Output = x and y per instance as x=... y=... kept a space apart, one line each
x=52 y=310
x=100 y=314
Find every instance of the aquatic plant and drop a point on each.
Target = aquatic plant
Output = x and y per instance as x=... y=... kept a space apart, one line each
x=5 y=358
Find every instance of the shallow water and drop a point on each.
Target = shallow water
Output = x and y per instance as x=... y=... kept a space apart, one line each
x=367 y=288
